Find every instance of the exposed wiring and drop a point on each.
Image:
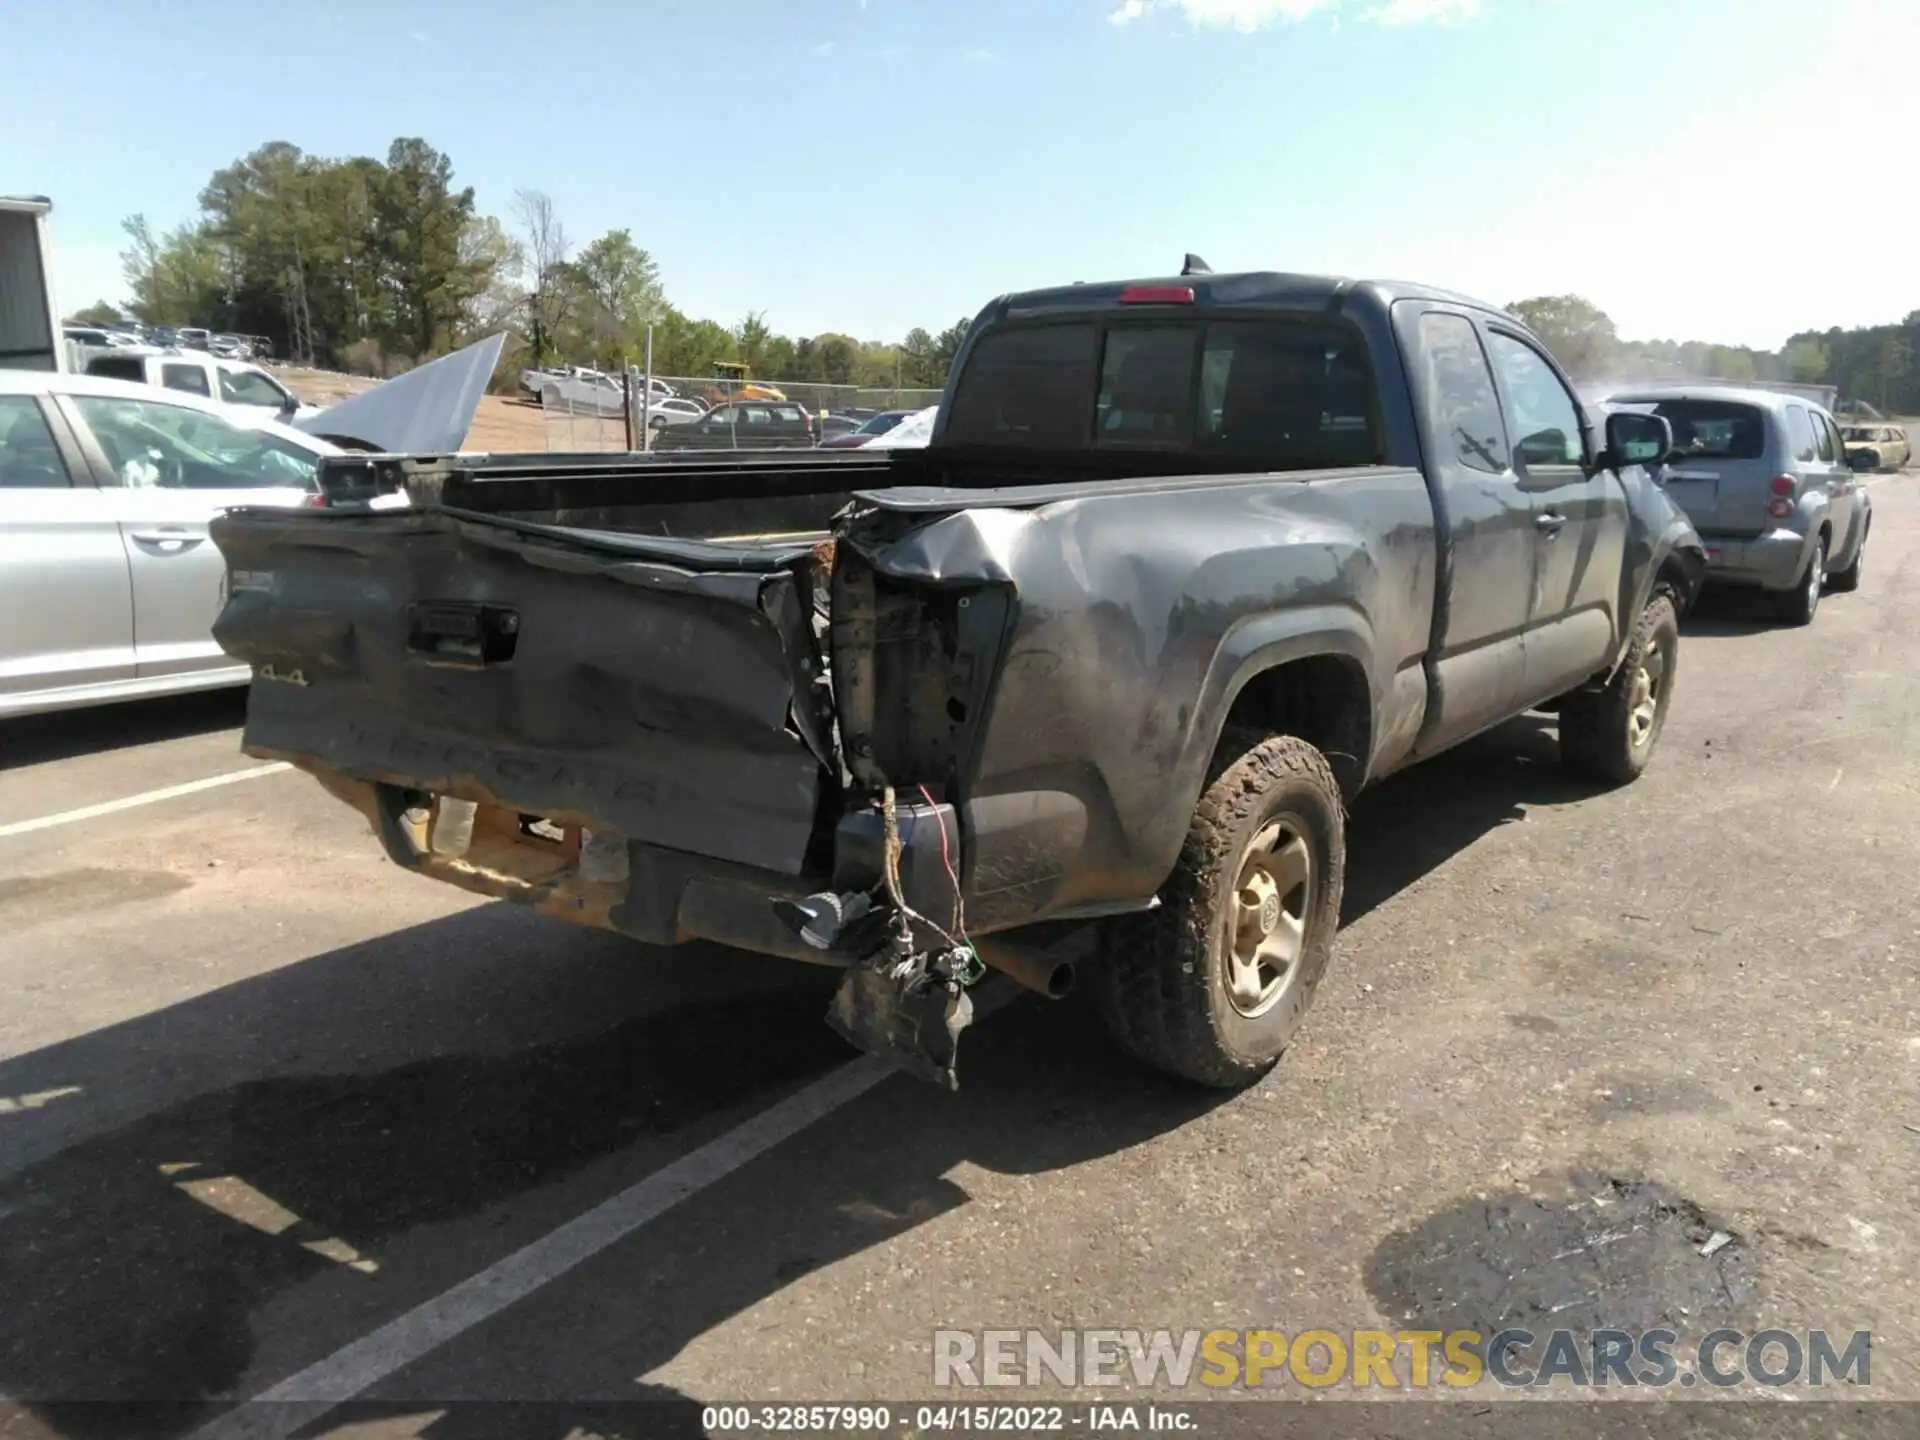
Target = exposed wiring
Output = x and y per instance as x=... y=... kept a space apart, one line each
x=946 y=859
x=890 y=873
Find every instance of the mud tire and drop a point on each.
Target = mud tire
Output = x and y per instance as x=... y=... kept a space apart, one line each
x=1161 y=984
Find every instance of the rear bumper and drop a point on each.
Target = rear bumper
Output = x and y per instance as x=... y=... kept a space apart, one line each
x=1774 y=560
x=665 y=897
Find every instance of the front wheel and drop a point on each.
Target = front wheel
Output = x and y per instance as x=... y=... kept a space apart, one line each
x=1609 y=734
x=1212 y=984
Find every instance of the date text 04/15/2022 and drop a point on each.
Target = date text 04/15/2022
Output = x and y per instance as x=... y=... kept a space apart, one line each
x=943 y=1418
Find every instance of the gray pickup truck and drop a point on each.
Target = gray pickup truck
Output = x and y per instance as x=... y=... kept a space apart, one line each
x=1187 y=564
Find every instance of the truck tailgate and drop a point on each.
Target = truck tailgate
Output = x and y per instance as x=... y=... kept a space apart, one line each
x=668 y=690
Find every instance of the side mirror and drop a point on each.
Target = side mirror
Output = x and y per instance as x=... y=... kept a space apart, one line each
x=1636 y=439
x=1861 y=461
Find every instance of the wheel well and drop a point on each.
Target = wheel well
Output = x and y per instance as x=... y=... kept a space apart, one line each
x=1324 y=700
x=1682 y=579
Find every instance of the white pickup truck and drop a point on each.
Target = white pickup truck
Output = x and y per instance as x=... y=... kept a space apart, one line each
x=195 y=372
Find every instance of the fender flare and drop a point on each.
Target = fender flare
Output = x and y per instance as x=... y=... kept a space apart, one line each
x=1263 y=642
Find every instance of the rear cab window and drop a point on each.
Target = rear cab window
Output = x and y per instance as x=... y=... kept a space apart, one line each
x=118 y=367
x=1287 y=393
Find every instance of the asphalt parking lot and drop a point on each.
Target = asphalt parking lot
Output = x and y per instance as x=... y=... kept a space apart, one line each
x=269 y=1106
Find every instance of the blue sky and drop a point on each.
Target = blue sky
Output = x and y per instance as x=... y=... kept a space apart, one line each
x=870 y=165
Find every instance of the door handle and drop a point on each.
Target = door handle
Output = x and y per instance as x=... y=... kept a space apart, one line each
x=1549 y=522
x=171 y=542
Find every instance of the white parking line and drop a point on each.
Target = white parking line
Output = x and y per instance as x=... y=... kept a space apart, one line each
x=133 y=802
x=282 y=1409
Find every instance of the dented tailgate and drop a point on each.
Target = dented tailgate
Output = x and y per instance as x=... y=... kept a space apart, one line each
x=667 y=690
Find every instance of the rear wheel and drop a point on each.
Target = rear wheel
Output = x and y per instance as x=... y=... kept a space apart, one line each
x=1609 y=734
x=1211 y=985
x=1798 y=605
x=1848 y=580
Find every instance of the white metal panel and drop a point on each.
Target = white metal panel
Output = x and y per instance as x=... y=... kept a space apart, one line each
x=29 y=334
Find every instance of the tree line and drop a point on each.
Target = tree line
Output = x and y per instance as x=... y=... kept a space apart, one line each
x=1874 y=363
x=377 y=265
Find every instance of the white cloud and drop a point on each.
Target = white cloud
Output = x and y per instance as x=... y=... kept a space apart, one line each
x=980 y=56
x=1247 y=16
x=1422 y=12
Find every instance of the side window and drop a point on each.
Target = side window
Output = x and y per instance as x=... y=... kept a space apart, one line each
x=1799 y=434
x=29 y=460
x=190 y=378
x=1541 y=412
x=250 y=387
x=154 y=445
x=1465 y=410
x=1823 y=437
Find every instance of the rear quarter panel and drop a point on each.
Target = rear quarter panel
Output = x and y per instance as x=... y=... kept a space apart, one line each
x=1136 y=618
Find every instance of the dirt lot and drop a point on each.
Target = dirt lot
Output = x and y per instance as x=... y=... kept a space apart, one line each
x=283 y=1122
x=501 y=423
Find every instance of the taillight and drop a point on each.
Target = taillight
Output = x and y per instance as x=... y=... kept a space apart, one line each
x=1784 y=485
x=1157 y=295
x=1779 y=508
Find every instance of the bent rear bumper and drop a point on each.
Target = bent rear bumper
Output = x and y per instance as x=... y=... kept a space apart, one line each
x=664 y=897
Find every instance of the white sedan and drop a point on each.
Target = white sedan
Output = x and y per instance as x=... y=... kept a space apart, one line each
x=109 y=584
x=675 y=411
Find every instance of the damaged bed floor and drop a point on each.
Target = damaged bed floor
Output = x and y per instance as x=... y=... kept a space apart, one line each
x=262 y=1095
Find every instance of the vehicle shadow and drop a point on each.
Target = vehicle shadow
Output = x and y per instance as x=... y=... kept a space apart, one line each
x=148 y=1258
x=1416 y=821
x=63 y=734
x=140 y=1259
x=1731 y=611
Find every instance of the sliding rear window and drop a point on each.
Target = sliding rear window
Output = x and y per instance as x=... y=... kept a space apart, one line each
x=1284 y=393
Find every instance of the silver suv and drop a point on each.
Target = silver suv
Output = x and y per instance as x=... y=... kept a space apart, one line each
x=1764 y=478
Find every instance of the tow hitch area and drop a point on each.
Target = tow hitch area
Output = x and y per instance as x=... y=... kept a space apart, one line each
x=909 y=1005
x=906 y=997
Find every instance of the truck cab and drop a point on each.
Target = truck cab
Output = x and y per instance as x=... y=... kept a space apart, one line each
x=226 y=382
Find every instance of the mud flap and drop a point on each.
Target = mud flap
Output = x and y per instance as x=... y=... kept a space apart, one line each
x=908 y=1005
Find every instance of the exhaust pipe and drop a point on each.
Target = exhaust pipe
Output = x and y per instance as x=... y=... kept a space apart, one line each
x=1037 y=970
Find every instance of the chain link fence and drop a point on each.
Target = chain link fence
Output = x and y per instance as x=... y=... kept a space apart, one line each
x=586 y=411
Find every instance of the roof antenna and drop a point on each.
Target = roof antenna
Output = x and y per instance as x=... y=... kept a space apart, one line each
x=1195 y=266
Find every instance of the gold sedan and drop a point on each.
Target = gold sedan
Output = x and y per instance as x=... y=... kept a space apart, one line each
x=1877 y=447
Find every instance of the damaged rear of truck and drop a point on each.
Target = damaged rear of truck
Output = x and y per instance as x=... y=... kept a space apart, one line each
x=1177 y=577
